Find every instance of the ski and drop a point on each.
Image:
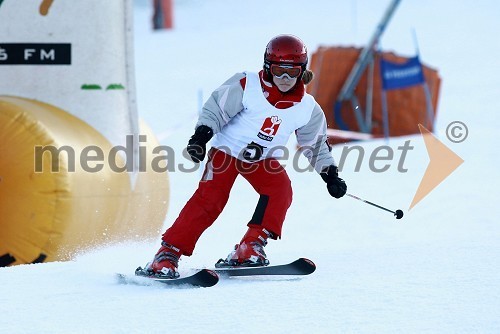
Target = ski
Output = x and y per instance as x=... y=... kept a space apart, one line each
x=301 y=266
x=204 y=278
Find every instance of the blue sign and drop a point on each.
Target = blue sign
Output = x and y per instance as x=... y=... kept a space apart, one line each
x=397 y=76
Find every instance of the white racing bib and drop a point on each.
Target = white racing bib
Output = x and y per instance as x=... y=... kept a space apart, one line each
x=260 y=130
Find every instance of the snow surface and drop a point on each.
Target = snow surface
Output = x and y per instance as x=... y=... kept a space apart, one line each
x=434 y=271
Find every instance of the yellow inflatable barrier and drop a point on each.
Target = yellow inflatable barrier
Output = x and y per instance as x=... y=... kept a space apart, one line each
x=48 y=215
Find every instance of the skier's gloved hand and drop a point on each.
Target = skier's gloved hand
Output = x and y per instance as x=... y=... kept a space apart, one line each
x=335 y=185
x=197 y=145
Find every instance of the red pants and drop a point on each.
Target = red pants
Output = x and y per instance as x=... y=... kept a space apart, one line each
x=267 y=177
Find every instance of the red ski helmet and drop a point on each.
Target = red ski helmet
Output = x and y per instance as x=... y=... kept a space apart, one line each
x=285 y=49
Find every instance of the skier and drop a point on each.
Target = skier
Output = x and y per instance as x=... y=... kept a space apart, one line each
x=251 y=116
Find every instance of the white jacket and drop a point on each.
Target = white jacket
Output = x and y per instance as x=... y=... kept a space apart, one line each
x=241 y=117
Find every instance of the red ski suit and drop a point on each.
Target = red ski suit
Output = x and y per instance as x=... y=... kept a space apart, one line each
x=267 y=177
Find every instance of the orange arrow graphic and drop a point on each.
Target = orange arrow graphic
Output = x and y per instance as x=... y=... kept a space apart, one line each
x=443 y=162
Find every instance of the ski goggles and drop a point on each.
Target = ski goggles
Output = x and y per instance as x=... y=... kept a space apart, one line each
x=290 y=70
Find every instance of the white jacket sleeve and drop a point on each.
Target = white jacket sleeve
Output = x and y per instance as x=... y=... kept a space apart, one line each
x=223 y=104
x=313 y=140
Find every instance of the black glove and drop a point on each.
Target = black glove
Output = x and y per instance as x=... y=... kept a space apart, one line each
x=197 y=145
x=335 y=185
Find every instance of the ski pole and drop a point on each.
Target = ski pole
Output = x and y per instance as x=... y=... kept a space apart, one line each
x=398 y=213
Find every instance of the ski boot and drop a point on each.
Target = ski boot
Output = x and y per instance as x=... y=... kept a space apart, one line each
x=164 y=264
x=249 y=252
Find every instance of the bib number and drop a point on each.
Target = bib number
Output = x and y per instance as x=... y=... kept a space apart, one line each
x=253 y=152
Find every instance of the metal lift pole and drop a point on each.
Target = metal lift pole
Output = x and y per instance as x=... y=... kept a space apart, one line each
x=366 y=56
